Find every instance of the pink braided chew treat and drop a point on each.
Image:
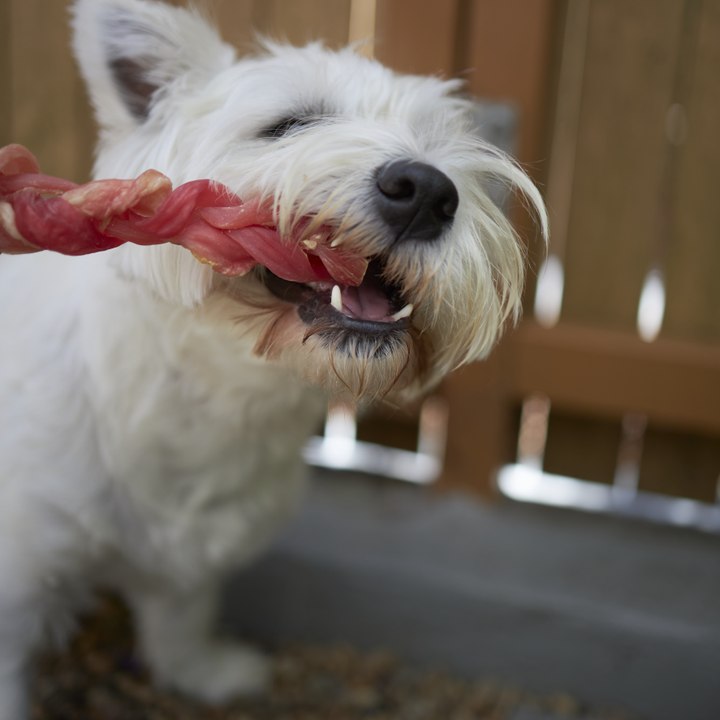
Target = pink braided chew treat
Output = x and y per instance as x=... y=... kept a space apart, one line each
x=39 y=212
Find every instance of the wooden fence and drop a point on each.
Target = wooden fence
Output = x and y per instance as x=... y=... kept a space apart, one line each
x=628 y=193
x=630 y=186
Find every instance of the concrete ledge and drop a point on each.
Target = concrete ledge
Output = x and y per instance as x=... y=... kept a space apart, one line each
x=615 y=612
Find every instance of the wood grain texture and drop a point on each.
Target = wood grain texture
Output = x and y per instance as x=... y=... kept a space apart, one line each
x=301 y=21
x=6 y=106
x=86 y=131
x=693 y=266
x=417 y=36
x=234 y=20
x=295 y=21
x=629 y=72
x=568 y=66
x=582 y=447
x=44 y=85
x=681 y=464
x=508 y=50
x=480 y=425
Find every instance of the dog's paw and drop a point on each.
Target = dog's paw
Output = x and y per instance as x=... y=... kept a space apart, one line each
x=222 y=671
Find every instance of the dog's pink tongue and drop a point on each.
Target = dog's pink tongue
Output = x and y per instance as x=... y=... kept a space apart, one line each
x=366 y=302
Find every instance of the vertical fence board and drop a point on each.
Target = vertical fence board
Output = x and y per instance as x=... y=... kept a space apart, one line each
x=300 y=21
x=480 y=425
x=508 y=53
x=693 y=269
x=86 y=132
x=6 y=104
x=234 y=19
x=391 y=427
x=44 y=81
x=629 y=72
x=582 y=447
x=682 y=464
x=417 y=36
x=507 y=48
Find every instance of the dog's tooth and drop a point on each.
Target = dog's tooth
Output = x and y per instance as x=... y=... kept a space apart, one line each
x=310 y=244
x=405 y=312
x=336 y=298
x=335 y=242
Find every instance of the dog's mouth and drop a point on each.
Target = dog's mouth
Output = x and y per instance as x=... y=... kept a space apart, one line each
x=374 y=306
x=310 y=269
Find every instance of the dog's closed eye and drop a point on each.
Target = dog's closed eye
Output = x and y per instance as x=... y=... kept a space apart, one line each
x=290 y=124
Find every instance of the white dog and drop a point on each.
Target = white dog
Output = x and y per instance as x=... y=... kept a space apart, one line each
x=153 y=411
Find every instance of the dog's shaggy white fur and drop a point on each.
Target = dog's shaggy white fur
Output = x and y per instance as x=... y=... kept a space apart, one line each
x=152 y=411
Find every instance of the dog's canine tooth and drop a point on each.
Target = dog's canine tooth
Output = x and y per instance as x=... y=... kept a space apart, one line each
x=405 y=312
x=335 y=242
x=336 y=298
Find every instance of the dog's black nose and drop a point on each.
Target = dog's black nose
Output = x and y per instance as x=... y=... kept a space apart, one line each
x=416 y=200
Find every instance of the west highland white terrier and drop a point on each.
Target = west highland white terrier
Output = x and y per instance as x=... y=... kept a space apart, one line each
x=152 y=410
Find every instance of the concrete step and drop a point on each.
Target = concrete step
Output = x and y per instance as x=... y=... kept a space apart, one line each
x=615 y=612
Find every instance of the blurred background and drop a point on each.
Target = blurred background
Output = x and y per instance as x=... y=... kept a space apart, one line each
x=607 y=396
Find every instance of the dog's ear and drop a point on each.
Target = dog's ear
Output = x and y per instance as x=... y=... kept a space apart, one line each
x=130 y=51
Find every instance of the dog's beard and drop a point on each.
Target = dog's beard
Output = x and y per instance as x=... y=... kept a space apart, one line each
x=347 y=357
x=371 y=365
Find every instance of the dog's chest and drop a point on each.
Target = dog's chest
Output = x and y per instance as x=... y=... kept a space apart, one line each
x=213 y=484
x=203 y=444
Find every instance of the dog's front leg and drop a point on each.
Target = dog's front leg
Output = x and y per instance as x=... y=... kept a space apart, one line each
x=175 y=634
x=23 y=615
x=13 y=680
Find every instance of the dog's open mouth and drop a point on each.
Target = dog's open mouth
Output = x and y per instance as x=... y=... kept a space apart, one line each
x=374 y=306
x=311 y=270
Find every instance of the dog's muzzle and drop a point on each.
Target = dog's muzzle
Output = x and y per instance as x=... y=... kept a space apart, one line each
x=415 y=200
